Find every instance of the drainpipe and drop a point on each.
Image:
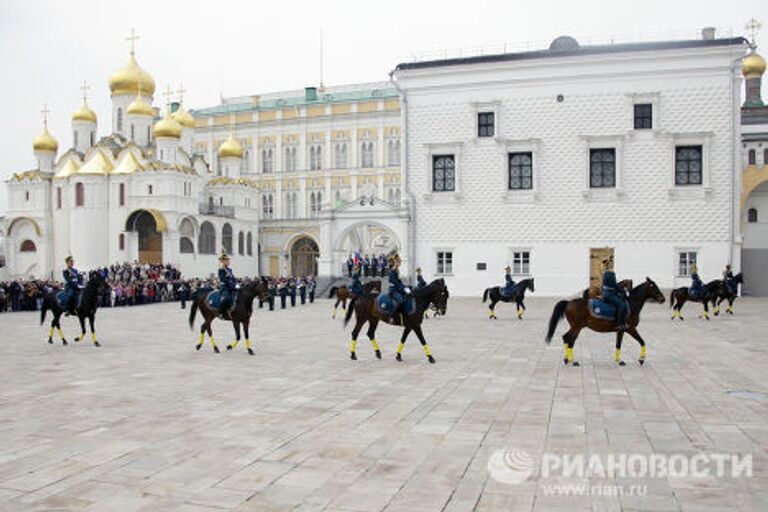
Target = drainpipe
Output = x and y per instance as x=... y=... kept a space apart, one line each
x=736 y=169
x=404 y=166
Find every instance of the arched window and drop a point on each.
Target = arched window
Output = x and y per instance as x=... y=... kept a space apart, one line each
x=249 y=244
x=186 y=246
x=266 y=160
x=187 y=234
x=752 y=215
x=391 y=195
x=133 y=134
x=26 y=195
x=120 y=120
x=207 y=242
x=121 y=242
x=241 y=243
x=398 y=197
x=751 y=157
x=75 y=134
x=92 y=136
x=366 y=154
x=58 y=198
x=28 y=246
x=341 y=155
x=226 y=238
x=79 y=194
x=122 y=194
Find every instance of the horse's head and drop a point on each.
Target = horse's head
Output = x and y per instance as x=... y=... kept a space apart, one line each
x=440 y=296
x=530 y=285
x=263 y=289
x=652 y=291
x=96 y=282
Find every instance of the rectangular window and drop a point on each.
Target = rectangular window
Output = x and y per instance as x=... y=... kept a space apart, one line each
x=521 y=263
x=122 y=194
x=443 y=173
x=444 y=262
x=520 y=171
x=688 y=165
x=150 y=189
x=486 y=124
x=686 y=260
x=481 y=266
x=643 y=116
x=602 y=168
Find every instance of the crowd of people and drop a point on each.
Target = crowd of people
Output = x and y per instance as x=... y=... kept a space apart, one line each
x=370 y=266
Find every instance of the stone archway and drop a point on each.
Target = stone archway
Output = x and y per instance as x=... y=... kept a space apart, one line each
x=754 y=250
x=149 y=226
x=304 y=254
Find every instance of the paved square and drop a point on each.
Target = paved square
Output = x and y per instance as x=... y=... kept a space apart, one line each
x=148 y=424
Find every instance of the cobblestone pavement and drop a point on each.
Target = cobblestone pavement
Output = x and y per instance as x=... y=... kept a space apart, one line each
x=146 y=423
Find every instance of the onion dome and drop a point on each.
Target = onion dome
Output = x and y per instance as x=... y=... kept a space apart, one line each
x=139 y=107
x=184 y=118
x=167 y=127
x=45 y=142
x=753 y=65
x=230 y=148
x=84 y=113
x=130 y=79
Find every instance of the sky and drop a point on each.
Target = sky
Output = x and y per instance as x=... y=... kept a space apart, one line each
x=236 y=48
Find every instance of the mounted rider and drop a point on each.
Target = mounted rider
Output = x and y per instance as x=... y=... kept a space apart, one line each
x=397 y=290
x=613 y=294
x=420 y=282
x=227 y=287
x=73 y=283
x=729 y=280
x=697 y=288
x=356 y=288
x=510 y=284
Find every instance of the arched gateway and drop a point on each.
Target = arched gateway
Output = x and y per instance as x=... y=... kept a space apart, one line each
x=149 y=226
x=304 y=254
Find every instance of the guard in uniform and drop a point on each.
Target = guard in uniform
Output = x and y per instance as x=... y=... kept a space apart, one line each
x=73 y=283
x=420 y=282
x=356 y=288
x=311 y=288
x=397 y=290
x=730 y=283
x=697 y=286
x=509 y=285
x=613 y=294
x=227 y=287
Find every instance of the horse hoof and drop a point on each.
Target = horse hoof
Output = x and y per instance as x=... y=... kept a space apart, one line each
x=50 y=340
x=565 y=361
x=216 y=350
x=642 y=362
x=399 y=358
x=64 y=342
x=229 y=347
x=378 y=354
x=198 y=347
x=622 y=363
x=250 y=351
x=353 y=356
x=77 y=339
x=431 y=359
x=96 y=344
x=576 y=363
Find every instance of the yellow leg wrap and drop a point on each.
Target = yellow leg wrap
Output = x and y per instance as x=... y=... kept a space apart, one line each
x=569 y=354
x=247 y=343
x=61 y=333
x=642 y=352
x=426 y=350
x=50 y=332
x=93 y=336
x=617 y=355
x=520 y=314
x=213 y=342
x=352 y=345
x=375 y=345
x=234 y=343
x=491 y=314
x=400 y=347
x=716 y=310
x=202 y=338
x=730 y=310
x=706 y=315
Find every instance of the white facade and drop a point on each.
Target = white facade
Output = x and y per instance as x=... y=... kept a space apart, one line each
x=558 y=107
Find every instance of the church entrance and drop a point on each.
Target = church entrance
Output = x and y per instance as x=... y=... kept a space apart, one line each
x=149 y=229
x=304 y=254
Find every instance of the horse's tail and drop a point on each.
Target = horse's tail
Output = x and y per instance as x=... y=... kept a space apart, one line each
x=350 y=310
x=557 y=314
x=334 y=289
x=193 y=311
x=44 y=309
x=485 y=294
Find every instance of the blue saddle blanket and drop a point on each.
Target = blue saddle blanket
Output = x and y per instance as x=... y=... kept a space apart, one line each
x=61 y=299
x=386 y=306
x=214 y=299
x=512 y=291
x=601 y=309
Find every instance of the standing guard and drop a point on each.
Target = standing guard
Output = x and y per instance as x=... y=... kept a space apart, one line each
x=311 y=288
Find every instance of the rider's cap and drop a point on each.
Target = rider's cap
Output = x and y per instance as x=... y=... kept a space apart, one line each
x=68 y=259
x=507 y=269
x=694 y=268
x=418 y=270
x=224 y=256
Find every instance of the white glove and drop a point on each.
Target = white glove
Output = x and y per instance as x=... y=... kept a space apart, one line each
x=408 y=290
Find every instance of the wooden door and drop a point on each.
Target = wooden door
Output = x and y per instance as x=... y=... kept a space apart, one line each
x=274 y=266
x=596 y=258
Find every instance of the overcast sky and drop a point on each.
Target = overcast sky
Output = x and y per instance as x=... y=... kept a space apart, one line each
x=48 y=48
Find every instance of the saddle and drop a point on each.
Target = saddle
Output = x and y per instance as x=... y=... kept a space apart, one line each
x=214 y=300
x=512 y=291
x=61 y=299
x=386 y=306
x=603 y=310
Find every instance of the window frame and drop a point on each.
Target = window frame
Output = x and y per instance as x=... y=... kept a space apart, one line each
x=483 y=124
x=447 y=157
x=444 y=257
x=635 y=117
x=613 y=152
x=753 y=216
x=679 y=272
x=511 y=155
x=680 y=147
x=486 y=107
x=525 y=266
x=430 y=150
x=79 y=195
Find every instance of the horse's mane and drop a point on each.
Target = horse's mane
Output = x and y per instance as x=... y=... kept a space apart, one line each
x=429 y=290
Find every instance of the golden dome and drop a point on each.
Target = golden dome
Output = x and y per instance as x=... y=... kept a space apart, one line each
x=184 y=118
x=753 y=65
x=139 y=107
x=45 y=142
x=130 y=79
x=230 y=148
x=84 y=113
x=167 y=127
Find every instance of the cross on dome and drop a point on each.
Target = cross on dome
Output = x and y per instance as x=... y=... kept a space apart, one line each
x=180 y=91
x=85 y=88
x=45 y=111
x=753 y=27
x=132 y=39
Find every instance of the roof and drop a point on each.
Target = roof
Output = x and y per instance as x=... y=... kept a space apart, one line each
x=572 y=52
x=297 y=101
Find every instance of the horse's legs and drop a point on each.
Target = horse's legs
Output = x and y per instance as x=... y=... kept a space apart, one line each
x=731 y=298
x=81 y=318
x=92 y=321
x=633 y=332
x=406 y=332
x=679 y=307
x=203 y=328
x=491 y=312
x=335 y=306
x=358 y=325
x=417 y=330
x=372 y=324
x=213 y=341
x=246 y=332
x=569 y=339
x=706 y=308
x=617 y=355
x=344 y=305
x=520 y=308
x=236 y=325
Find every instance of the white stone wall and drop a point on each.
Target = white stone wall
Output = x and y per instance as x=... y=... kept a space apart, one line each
x=756 y=234
x=646 y=219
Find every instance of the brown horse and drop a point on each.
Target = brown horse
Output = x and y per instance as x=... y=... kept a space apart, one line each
x=364 y=307
x=679 y=296
x=240 y=315
x=343 y=294
x=593 y=292
x=578 y=315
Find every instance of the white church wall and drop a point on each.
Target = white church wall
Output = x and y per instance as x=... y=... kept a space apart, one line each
x=756 y=233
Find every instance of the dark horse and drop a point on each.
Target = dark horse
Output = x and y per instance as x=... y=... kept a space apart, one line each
x=579 y=317
x=241 y=314
x=364 y=307
x=726 y=294
x=679 y=296
x=89 y=302
x=517 y=295
x=593 y=292
x=343 y=294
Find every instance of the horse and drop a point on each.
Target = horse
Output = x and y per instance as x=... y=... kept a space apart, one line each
x=343 y=294
x=240 y=315
x=578 y=315
x=679 y=296
x=593 y=292
x=517 y=295
x=89 y=303
x=725 y=294
x=365 y=310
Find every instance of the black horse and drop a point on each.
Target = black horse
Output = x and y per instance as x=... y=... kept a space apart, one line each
x=517 y=295
x=240 y=315
x=724 y=293
x=679 y=296
x=89 y=303
x=364 y=307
